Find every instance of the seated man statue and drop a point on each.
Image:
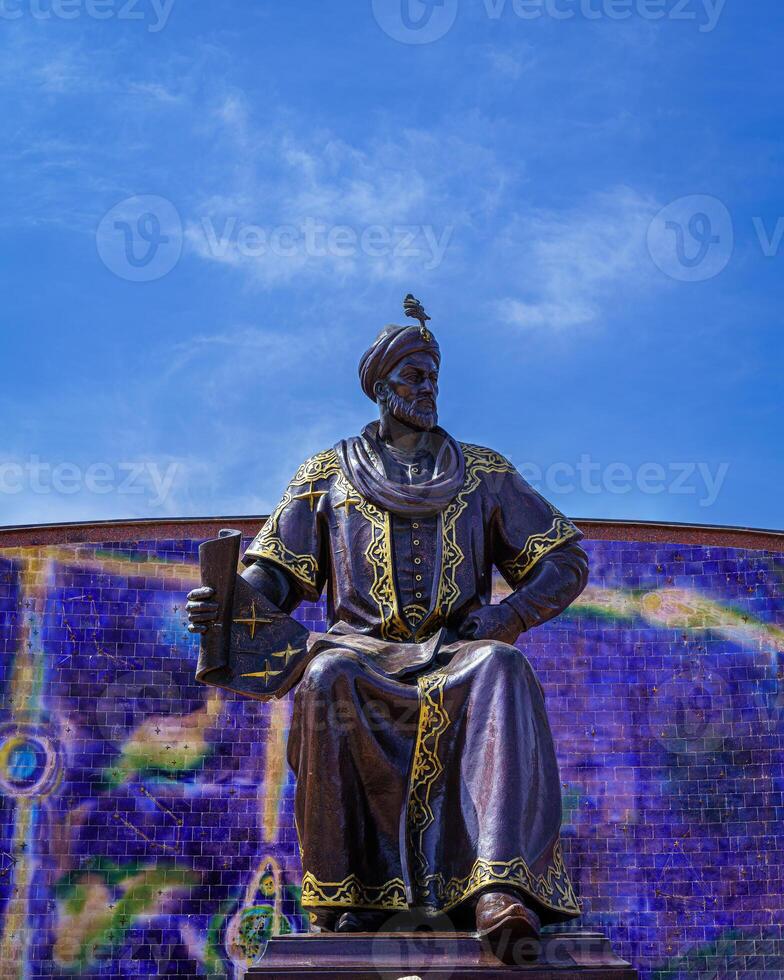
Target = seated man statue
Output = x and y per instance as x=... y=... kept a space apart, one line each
x=426 y=774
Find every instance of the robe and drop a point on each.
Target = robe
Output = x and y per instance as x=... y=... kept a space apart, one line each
x=425 y=766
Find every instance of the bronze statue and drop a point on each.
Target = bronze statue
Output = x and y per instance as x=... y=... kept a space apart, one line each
x=426 y=773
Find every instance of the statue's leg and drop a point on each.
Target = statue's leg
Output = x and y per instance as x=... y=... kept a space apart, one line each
x=350 y=745
x=486 y=806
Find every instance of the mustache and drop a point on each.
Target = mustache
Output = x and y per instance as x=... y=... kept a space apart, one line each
x=406 y=411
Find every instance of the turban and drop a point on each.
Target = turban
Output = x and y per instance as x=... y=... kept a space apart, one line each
x=392 y=345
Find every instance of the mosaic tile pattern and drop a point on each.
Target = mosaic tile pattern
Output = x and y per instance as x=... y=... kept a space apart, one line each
x=146 y=824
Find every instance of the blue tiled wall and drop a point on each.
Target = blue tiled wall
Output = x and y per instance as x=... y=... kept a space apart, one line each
x=146 y=823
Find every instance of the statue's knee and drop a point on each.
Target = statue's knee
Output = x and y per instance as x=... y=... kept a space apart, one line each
x=505 y=657
x=327 y=669
x=324 y=699
x=514 y=666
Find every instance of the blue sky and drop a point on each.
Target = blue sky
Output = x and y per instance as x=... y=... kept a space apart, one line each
x=210 y=210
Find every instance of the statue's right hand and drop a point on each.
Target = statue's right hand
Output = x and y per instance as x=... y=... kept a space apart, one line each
x=202 y=610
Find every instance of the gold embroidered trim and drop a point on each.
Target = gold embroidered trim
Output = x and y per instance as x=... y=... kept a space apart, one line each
x=378 y=555
x=536 y=547
x=414 y=614
x=352 y=892
x=318 y=467
x=426 y=767
x=478 y=460
x=553 y=889
x=269 y=544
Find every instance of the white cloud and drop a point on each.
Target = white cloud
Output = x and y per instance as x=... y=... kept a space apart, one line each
x=323 y=209
x=380 y=209
x=26 y=57
x=512 y=63
x=397 y=202
x=237 y=359
x=156 y=92
x=572 y=262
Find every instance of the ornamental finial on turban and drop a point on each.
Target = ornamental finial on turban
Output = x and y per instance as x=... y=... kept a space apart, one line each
x=393 y=344
x=413 y=308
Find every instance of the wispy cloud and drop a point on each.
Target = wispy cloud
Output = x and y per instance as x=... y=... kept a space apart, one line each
x=325 y=207
x=268 y=194
x=570 y=263
x=510 y=63
x=157 y=92
x=228 y=365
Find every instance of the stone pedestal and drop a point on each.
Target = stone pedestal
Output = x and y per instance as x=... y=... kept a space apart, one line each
x=436 y=956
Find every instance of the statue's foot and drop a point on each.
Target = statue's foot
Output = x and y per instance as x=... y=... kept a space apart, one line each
x=363 y=920
x=326 y=920
x=504 y=921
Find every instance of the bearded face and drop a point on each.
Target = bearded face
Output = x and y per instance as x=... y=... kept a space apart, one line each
x=410 y=391
x=415 y=413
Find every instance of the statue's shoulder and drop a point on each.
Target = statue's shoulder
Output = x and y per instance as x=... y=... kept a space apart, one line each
x=321 y=466
x=480 y=459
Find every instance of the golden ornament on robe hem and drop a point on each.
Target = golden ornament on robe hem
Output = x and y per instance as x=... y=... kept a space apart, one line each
x=449 y=851
x=553 y=889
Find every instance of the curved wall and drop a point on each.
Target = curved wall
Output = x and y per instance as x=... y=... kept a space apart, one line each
x=146 y=825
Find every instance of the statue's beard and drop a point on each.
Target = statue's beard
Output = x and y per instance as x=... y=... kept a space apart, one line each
x=407 y=412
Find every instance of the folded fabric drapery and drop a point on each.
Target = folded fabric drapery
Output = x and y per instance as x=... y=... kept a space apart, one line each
x=449 y=781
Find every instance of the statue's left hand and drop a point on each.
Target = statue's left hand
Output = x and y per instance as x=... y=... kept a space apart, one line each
x=499 y=622
x=202 y=609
